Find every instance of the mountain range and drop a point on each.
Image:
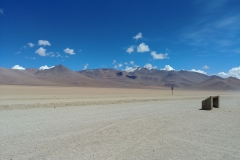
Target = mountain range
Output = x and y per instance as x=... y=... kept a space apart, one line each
x=140 y=77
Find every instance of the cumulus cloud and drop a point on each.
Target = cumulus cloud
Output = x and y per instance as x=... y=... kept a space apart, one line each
x=41 y=51
x=18 y=67
x=234 y=72
x=45 y=67
x=132 y=62
x=159 y=56
x=138 y=36
x=44 y=43
x=120 y=65
x=143 y=48
x=130 y=50
x=223 y=74
x=150 y=66
x=206 y=67
x=130 y=69
x=168 y=68
x=85 y=66
x=114 y=61
x=115 y=67
x=198 y=71
x=31 y=45
x=69 y=51
x=126 y=63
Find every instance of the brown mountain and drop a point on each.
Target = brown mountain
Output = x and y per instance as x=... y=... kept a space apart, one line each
x=20 y=77
x=32 y=70
x=217 y=83
x=110 y=77
x=61 y=75
x=169 y=78
x=141 y=77
x=58 y=75
x=145 y=77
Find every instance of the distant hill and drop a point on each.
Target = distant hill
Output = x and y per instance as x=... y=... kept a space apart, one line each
x=58 y=75
x=110 y=77
x=146 y=77
x=138 y=77
x=218 y=83
x=20 y=77
x=63 y=76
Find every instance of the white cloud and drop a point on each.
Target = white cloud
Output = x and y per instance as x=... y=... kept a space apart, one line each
x=138 y=36
x=150 y=66
x=223 y=74
x=234 y=72
x=45 y=67
x=114 y=61
x=143 y=48
x=115 y=67
x=159 y=56
x=44 y=43
x=130 y=69
x=69 y=51
x=120 y=65
x=206 y=67
x=85 y=66
x=1 y=11
x=18 y=67
x=41 y=52
x=198 y=71
x=57 y=54
x=52 y=54
x=130 y=50
x=136 y=66
x=31 y=45
x=126 y=63
x=168 y=68
x=132 y=62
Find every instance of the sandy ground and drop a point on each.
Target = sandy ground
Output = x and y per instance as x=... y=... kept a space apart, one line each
x=96 y=123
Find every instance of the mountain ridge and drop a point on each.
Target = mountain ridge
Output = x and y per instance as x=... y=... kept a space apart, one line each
x=107 y=77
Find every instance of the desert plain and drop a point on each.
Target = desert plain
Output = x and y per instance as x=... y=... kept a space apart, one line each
x=52 y=122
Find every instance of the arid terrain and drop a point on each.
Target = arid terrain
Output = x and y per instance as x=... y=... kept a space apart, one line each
x=54 y=122
x=111 y=78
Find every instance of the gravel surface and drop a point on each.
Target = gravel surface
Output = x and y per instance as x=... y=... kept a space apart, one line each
x=166 y=128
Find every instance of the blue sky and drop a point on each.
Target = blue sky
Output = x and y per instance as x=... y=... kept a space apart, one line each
x=187 y=34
